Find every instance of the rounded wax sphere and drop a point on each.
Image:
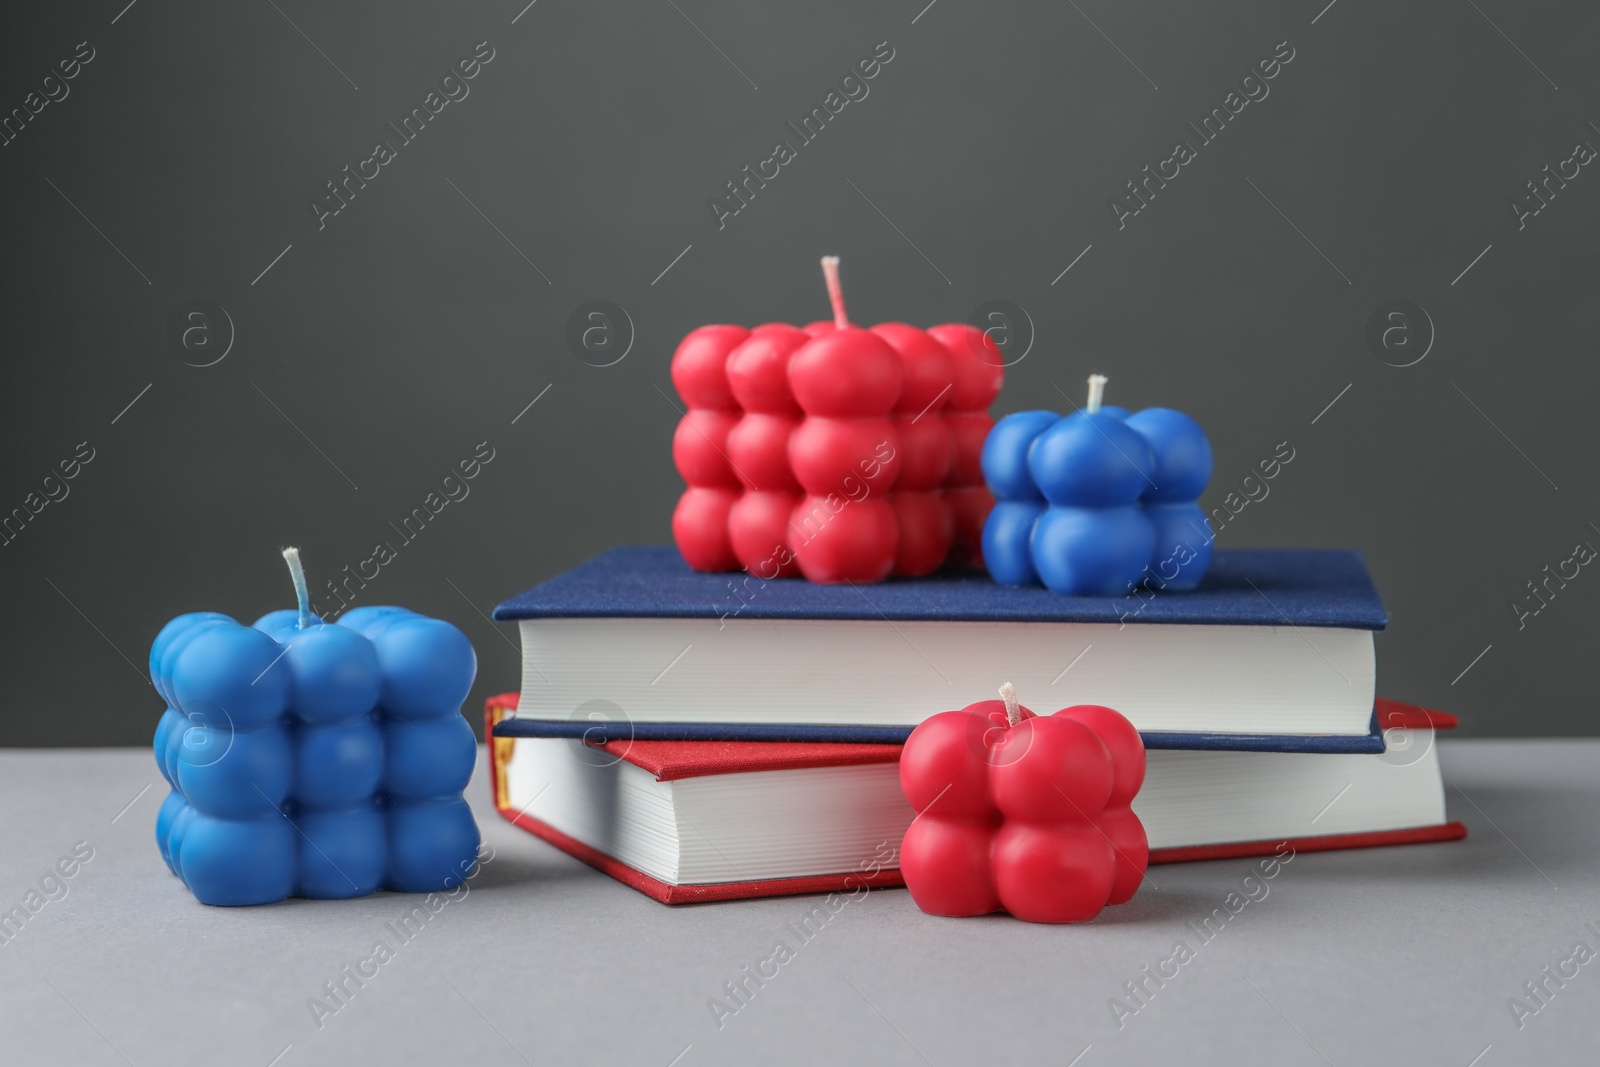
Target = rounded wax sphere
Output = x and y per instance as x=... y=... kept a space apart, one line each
x=945 y=760
x=231 y=669
x=969 y=507
x=758 y=529
x=1091 y=460
x=427 y=842
x=1082 y=551
x=370 y=621
x=977 y=365
x=165 y=817
x=927 y=364
x=1183 y=545
x=1028 y=858
x=926 y=453
x=1067 y=773
x=1007 y=536
x=699 y=366
x=1120 y=825
x=758 y=450
x=164 y=656
x=1005 y=454
x=336 y=765
x=175 y=737
x=233 y=862
x=334 y=673
x=857 y=543
x=340 y=853
x=844 y=455
x=926 y=531
x=172 y=721
x=700 y=528
x=758 y=370
x=428 y=758
x=236 y=774
x=183 y=814
x=700 y=448
x=182 y=624
x=428 y=667
x=1182 y=454
x=846 y=374
x=926 y=446
x=968 y=431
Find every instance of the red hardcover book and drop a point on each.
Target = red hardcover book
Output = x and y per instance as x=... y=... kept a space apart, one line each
x=593 y=788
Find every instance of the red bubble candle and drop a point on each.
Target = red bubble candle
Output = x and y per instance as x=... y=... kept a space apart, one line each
x=978 y=372
x=927 y=449
x=699 y=447
x=758 y=450
x=846 y=452
x=832 y=452
x=1023 y=813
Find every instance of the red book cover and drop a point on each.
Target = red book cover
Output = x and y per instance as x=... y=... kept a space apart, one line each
x=672 y=760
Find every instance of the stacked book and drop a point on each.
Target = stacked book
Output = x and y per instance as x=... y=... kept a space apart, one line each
x=709 y=737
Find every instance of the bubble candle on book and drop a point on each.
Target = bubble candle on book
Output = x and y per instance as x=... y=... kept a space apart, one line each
x=833 y=452
x=1099 y=502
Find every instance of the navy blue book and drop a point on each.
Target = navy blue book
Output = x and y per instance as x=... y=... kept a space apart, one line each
x=1274 y=651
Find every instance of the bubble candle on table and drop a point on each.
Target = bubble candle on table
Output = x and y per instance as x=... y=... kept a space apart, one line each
x=1023 y=813
x=314 y=759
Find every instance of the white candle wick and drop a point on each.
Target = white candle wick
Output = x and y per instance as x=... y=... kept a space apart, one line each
x=1008 y=693
x=830 y=275
x=1097 y=392
x=297 y=572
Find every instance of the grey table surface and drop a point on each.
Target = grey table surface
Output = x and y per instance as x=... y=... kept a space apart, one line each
x=1392 y=955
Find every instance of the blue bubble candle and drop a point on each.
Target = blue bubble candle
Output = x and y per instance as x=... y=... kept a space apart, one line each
x=1182 y=455
x=1093 y=539
x=1099 y=502
x=314 y=759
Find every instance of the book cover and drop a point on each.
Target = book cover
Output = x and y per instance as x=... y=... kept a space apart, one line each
x=603 y=731
x=1243 y=587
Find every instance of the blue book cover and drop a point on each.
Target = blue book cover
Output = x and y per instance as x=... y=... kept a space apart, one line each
x=1244 y=587
x=597 y=733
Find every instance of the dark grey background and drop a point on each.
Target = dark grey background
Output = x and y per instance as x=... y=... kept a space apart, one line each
x=379 y=351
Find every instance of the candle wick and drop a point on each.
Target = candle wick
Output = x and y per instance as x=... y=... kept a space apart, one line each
x=830 y=275
x=1008 y=693
x=297 y=572
x=1097 y=392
